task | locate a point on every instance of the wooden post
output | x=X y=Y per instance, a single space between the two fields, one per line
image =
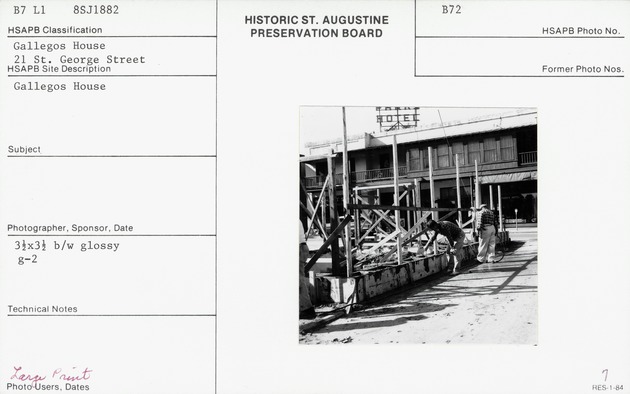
x=378 y=197
x=477 y=197
x=417 y=196
x=408 y=212
x=477 y=190
x=303 y=196
x=357 y=221
x=346 y=195
x=434 y=214
x=396 y=202
x=459 y=196
x=324 y=210
x=334 y=219
x=500 y=210
x=491 y=198
x=312 y=280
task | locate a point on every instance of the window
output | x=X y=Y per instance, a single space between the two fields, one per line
x=414 y=159
x=442 y=156
x=474 y=152
x=489 y=150
x=458 y=149
x=425 y=159
x=507 y=148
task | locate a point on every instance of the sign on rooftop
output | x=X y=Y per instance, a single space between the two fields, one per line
x=394 y=118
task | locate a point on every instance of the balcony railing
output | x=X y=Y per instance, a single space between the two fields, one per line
x=359 y=176
x=524 y=158
x=380 y=173
x=528 y=157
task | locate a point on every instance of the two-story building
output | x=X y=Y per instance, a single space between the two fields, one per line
x=504 y=145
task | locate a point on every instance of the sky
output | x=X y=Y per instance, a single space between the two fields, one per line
x=326 y=123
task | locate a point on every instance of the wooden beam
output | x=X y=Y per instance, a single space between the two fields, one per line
x=379 y=187
x=319 y=202
x=372 y=227
x=346 y=194
x=431 y=184
x=500 y=210
x=357 y=223
x=307 y=159
x=332 y=240
x=324 y=208
x=459 y=196
x=303 y=195
x=383 y=241
x=334 y=218
x=401 y=208
x=417 y=194
x=408 y=212
x=477 y=195
x=378 y=212
x=409 y=236
x=396 y=199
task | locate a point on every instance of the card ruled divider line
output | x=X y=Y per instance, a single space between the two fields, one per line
x=528 y=37
x=111 y=235
x=112 y=76
x=114 y=36
x=518 y=76
x=119 y=156
x=514 y=76
x=112 y=315
x=216 y=188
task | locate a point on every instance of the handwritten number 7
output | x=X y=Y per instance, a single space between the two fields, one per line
x=606 y=374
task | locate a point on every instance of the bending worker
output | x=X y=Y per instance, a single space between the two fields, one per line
x=455 y=237
x=487 y=230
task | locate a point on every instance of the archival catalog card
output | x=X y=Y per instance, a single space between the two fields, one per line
x=459 y=171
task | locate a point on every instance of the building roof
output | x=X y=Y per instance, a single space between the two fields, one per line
x=505 y=120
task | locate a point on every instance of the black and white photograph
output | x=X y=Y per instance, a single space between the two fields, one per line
x=418 y=225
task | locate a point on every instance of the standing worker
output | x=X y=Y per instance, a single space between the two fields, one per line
x=307 y=311
x=455 y=237
x=487 y=231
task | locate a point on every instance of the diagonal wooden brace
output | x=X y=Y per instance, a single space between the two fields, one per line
x=332 y=238
x=319 y=202
x=383 y=241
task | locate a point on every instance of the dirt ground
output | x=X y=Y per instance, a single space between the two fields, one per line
x=486 y=304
